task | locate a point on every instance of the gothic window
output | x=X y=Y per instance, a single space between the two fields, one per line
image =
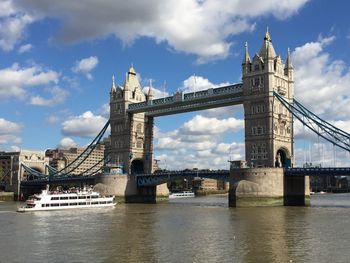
x=139 y=144
x=256 y=67
x=258 y=109
x=288 y=130
x=253 y=109
x=254 y=130
x=262 y=108
x=256 y=81
x=139 y=128
x=259 y=130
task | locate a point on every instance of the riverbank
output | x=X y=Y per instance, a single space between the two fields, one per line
x=6 y=196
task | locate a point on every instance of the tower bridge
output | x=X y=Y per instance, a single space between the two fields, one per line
x=267 y=96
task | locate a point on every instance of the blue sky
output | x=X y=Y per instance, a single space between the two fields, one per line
x=57 y=62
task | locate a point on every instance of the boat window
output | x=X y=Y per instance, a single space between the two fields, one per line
x=55 y=198
x=102 y=202
x=73 y=197
x=64 y=198
x=55 y=204
x=73 y=204
x=81 y=197
x=94 y=203
x=82 y=203
x=94 y=196
x=64 y=204
x=43 y=205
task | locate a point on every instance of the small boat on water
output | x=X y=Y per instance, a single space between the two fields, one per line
x=183 y=194
x=54 y=200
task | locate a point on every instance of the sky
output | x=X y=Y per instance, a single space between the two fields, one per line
x=57 y=61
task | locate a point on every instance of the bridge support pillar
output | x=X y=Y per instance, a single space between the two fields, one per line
x=266 y=187
x=124 y=188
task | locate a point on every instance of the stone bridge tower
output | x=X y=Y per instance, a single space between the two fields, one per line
x=131 y=134
x=268 y=125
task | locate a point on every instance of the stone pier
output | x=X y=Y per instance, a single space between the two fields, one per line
x=267 y=187
x=124 y=188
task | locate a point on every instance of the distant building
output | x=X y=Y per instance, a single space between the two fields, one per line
x=60 y=158
x=10 y=163
x=212 y=184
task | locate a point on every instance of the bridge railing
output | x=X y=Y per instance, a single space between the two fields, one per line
x=163 y=177
x=180 y=97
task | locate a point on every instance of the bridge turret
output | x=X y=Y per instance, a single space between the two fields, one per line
x=246 y=63
x=113 y=87
x=268 y=126
x=289 y=69
x=150 y=94
x=131 y=134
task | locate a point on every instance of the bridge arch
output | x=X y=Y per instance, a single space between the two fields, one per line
x=137 y=166
x=283 y=158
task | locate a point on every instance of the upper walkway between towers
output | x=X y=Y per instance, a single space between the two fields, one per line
x=192 y=101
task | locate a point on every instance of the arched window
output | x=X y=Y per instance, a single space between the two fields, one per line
x=139 y=128
x=139 y=144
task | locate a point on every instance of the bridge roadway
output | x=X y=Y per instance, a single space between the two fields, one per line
x=59 y=180
x=223 y=175
x=324 y=171
x=163 y=177
x=193 y=101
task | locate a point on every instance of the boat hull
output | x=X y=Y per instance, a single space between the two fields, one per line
x=34 y=209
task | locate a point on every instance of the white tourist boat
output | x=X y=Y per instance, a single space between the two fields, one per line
x=54 y=200
x=183 y=194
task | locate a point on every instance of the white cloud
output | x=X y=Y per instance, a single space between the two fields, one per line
x=7 y=8
x=321 y=83
x=12 y=30
x=51 y=120
x=321 y=153
x=24 y=48
x=85 y=66
x=8 y=131
x=67 y=143
x=197 y=27
x=58 y=96
x=7 y=127
x=15 y=79
x=197 y=83
x=86 y=125
x=211 y=126
x=157 y=93
x=15 y=148
x=104 y=110
x=199 y=143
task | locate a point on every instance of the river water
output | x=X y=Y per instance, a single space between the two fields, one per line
x=200 y=229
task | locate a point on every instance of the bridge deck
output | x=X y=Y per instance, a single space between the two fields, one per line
x=324 y=171
x=179 y=102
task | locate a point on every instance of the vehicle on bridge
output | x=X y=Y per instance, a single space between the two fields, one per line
x=52 y=200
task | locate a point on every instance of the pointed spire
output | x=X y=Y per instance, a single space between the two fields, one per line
x=246 y=58
x=267 y=50
x=132 y=70
x=289 y=60
x=267 y=34
x=113 y=88
x=150 y=91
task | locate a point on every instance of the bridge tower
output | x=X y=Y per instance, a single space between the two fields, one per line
x=268 y=125
x=131 y=134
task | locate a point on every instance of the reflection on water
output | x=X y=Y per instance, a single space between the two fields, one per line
x=183 y=230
